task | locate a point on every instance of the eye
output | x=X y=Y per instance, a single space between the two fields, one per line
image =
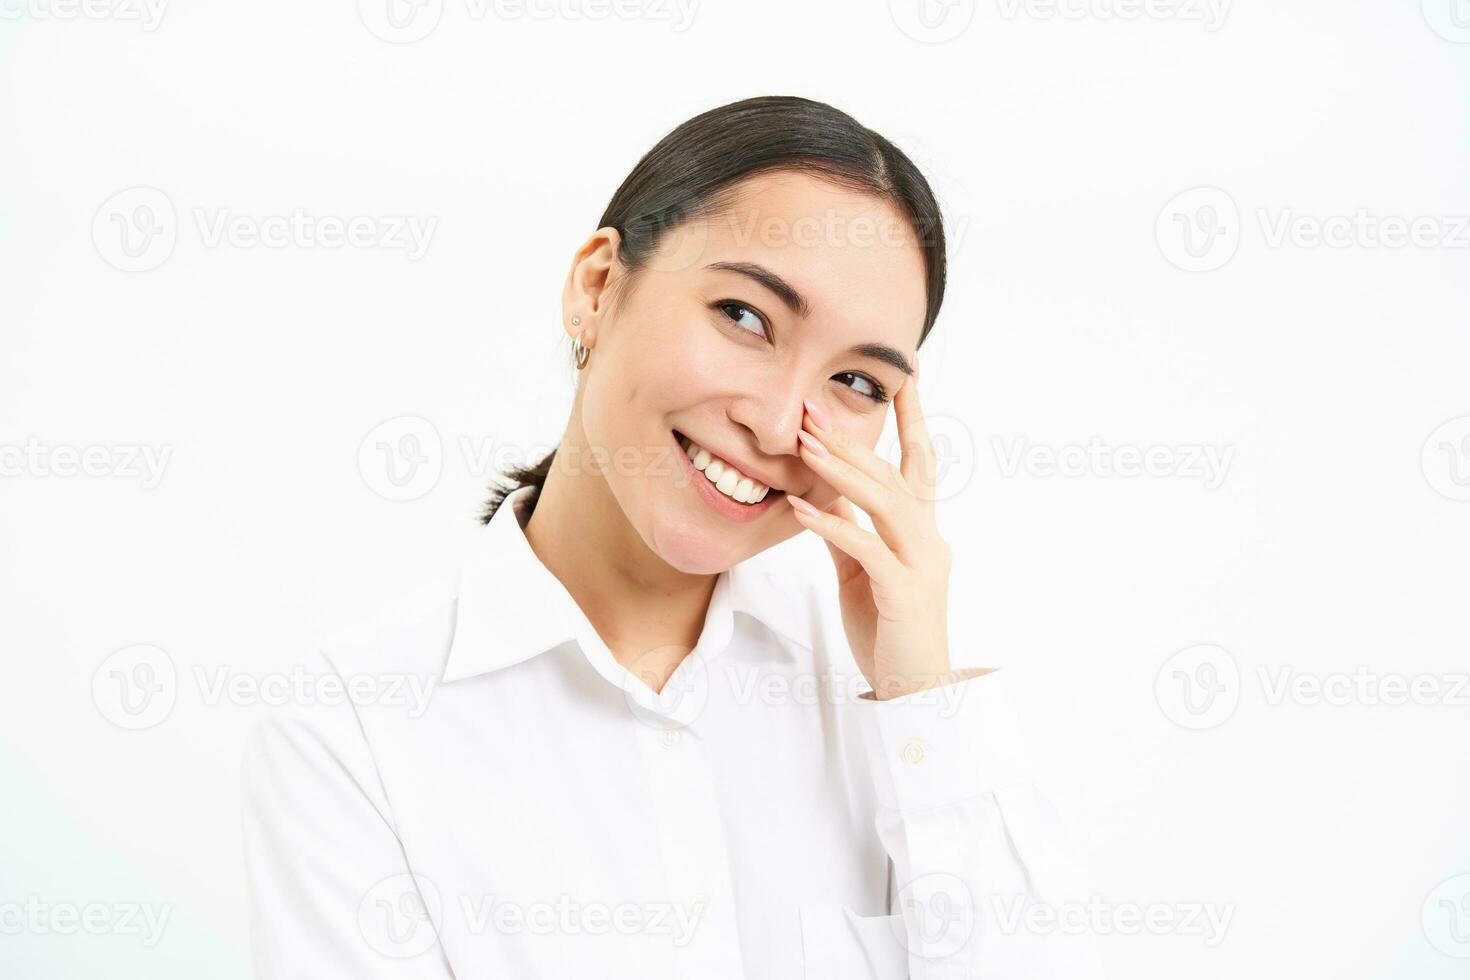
x=751 y=322
x=865 y=386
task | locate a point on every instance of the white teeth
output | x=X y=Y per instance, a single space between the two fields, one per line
x=726 y=478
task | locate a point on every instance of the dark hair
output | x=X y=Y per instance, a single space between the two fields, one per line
x=693 y=172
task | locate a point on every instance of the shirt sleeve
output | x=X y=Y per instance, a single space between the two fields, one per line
x=331 y=892
x=986 y=875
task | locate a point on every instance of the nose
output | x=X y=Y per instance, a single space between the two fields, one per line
x=773 y=417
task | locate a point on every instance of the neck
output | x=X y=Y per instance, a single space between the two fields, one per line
x=648 y=613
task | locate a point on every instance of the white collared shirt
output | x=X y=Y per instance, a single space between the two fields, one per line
x=493 y=796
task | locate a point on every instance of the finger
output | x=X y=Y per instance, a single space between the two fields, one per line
x=918 y=461
x=845 y=446
x=843 y=533
x=847 y=566
x=893 y=511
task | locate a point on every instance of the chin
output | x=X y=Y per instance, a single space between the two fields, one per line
x=691 y=549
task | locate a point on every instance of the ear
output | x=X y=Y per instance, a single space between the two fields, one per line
x=594 y=269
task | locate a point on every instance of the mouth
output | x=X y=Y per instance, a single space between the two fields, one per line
x=722 y=486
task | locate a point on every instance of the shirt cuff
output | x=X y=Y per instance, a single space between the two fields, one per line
x=944 y=744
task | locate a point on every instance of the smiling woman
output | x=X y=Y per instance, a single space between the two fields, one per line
x=658 y=747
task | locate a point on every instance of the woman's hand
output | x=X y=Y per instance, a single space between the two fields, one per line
x=894 y=585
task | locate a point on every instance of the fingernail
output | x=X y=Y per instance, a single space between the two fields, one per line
x=798 y=504
x=816 y=413
x=810 y=441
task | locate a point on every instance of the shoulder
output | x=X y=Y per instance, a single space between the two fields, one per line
x=396 y=653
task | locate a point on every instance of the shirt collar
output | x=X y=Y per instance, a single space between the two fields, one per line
x=510 y=607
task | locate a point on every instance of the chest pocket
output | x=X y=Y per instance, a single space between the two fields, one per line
x=839 y=944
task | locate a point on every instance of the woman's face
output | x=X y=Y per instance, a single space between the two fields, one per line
x=797 y=291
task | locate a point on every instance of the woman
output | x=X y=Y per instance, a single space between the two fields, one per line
x=657 y=745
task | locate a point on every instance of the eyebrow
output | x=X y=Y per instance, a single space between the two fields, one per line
x=796 y=302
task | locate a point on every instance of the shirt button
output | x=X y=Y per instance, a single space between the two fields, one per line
x=669 y=738
x=913 y=751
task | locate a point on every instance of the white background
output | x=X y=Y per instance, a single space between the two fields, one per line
x=1058 y=140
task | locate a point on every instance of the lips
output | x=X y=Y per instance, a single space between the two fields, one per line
x=731 y=493
x=725 y=476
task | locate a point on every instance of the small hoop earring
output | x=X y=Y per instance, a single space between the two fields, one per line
x=580 y=353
